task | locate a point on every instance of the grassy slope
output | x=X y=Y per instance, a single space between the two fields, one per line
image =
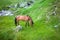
x=43 y=28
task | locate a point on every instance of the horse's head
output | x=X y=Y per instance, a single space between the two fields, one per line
x=31 y=22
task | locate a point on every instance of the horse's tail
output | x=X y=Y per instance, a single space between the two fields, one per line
x=15 y=21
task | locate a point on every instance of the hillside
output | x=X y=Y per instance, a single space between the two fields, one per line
x=45 y=15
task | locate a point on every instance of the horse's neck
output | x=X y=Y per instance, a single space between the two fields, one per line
x=30 y=20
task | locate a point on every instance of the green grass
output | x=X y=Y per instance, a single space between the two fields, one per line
x=43 y=28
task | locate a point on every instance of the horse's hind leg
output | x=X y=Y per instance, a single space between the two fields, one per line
x=18 y=23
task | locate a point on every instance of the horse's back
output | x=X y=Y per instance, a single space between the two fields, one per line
x=22 y=17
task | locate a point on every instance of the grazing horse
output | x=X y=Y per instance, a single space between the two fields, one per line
x=23 y=18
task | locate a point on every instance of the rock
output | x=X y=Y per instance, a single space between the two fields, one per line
x=18 y=28
x=5 y=13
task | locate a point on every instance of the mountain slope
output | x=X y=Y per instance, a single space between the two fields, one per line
x=46 y=18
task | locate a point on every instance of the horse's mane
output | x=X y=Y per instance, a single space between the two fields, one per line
x=31 y=19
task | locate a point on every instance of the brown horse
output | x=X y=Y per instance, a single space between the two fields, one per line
x=23 y=18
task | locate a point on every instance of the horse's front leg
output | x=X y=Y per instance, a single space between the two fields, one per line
x=27 y=23
x=30 y=23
